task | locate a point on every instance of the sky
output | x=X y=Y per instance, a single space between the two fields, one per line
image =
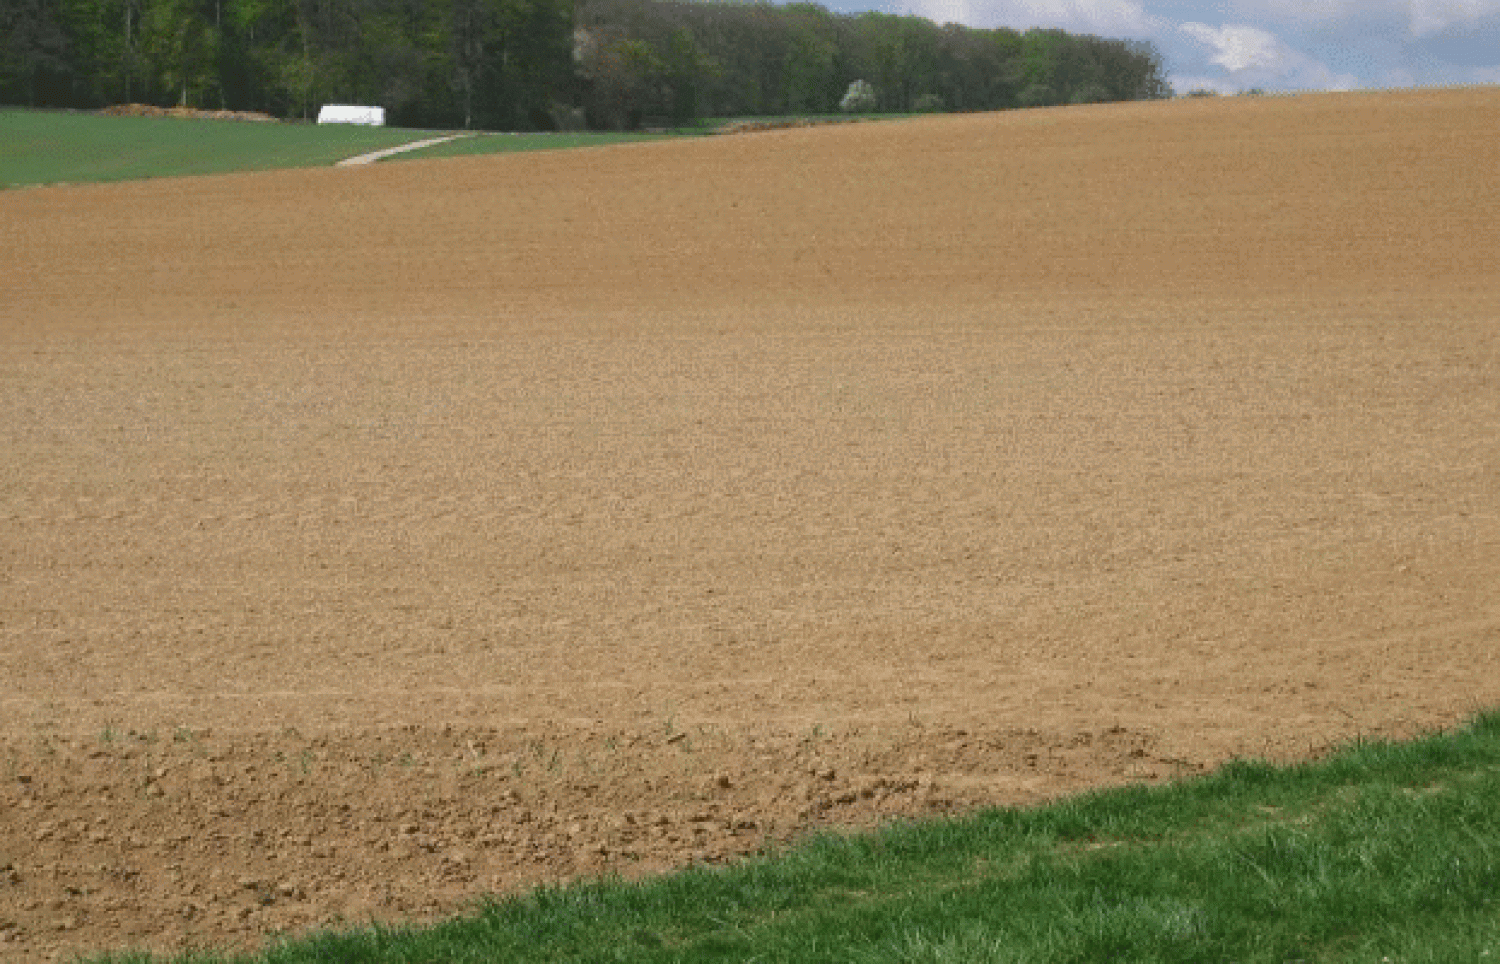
x=1235 y=45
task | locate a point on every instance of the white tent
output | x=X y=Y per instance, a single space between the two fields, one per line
x=347 y=114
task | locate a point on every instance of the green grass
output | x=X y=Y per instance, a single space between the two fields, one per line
x=492 y=143
x=1385 y=851
x=51 y=148
x=510 y=143
x=836 y=117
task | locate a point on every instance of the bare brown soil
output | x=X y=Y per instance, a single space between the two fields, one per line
x=371 y=539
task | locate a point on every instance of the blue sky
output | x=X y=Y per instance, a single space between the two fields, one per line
x=1233 y=45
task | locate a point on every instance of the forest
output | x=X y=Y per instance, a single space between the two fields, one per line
x=545 y=64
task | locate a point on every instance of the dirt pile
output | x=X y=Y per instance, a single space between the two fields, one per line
x=147 y=110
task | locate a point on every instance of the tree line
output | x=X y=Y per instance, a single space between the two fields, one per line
x=543 y=64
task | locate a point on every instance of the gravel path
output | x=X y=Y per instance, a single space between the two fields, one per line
x=374 y=156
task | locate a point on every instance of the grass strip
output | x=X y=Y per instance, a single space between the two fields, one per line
x=505 y=143
x=1382 y=852
x=50 y=147
x=62 y=147
x=516 y=143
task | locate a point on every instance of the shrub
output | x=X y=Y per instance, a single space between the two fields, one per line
x=859 y=97
x=1037 y=95
x=927 y=104
x=1090 y=94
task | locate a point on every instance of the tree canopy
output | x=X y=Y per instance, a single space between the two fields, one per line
x=535 y=64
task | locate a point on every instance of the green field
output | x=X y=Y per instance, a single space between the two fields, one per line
x=59 y=148
x=50 y=147
x=512 y=143
x=1384 y=852
x=55 y=147
x=505 y=143
x=47 y=147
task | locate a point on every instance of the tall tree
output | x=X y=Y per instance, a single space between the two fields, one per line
x=35 y=63
x=514 y=64
x=1041 y=54
x=621 y=79
x=810 y=76
x=476 y=34
x=685 y=68
x=180 y=43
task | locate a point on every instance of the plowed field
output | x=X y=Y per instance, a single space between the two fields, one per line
x=374 y=538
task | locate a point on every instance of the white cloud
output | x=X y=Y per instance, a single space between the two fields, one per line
x=1184 y=84
x=1252 y=57
x=943 y=11
x=1238 y=48
x=1435 y=16
x=1312 y=75
x=1231 y=45
x=1110 y=18
x=1088 y=16
x=1306 y=11
x=1398 y=77
x=1422 y=17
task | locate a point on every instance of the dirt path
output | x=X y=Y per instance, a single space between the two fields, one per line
x=369 y=544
